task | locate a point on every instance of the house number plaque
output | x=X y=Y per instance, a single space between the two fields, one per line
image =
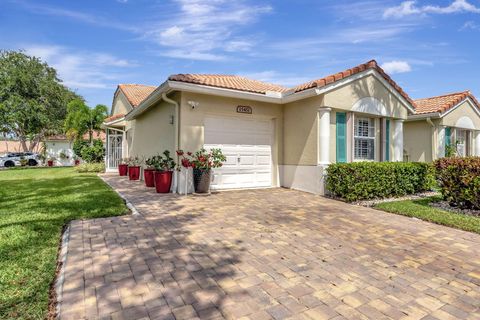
x=244 y=109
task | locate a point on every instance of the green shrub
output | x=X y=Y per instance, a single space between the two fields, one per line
x=94 y=153
x=78 y=145
x=459 y=180
x=90 y=167
x=370 y=180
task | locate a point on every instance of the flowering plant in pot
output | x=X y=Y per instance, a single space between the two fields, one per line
x=202 y=162
x=134 y=168
x=149 y=172
x=164 y=165
x=123 y=167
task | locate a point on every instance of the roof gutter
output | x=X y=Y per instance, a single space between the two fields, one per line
x=176 y=133
x=114 y=121
x=434 y=137
x=424 y=116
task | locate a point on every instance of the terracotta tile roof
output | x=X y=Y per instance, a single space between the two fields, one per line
x=114 y=117
x=228 y=82
x=372 y=64
x=60 y=137
x=442 y=103
x=136 y=93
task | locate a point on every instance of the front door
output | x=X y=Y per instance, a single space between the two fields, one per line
x=114 y=149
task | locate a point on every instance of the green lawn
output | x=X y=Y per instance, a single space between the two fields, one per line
x=420 y=209
x=34 y=206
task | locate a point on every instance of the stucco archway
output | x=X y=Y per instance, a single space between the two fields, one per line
x=370 y=105
x=465 y=123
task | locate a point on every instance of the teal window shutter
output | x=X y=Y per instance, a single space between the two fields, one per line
x=448 y=138
x=341 y=137
x=387 y=140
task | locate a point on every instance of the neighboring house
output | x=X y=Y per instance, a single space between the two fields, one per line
x=271 y=135
x=451 y=119
x=59 y=144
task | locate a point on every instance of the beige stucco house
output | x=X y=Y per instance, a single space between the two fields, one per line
x=271 y=135
x=452 y=119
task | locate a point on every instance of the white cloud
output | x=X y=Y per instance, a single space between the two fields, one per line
x=238 y=45
x=396 y=66
x=470 y=25
x=43 y=9
x=192 y=55
x=408 y=8
x=205 y=30
x=81 y=69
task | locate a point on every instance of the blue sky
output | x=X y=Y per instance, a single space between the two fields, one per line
x=429 y=47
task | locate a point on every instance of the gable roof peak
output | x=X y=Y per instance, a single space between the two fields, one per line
x=136 y=93
x=443 y=103
x=465 y=92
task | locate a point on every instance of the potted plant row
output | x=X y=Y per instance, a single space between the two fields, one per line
x=149 y=172
x=164 y=166
x=202 y=162
x=134 y=168
x=123 y=167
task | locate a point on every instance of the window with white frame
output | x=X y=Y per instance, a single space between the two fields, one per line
x=364 y=139
x=461 y=137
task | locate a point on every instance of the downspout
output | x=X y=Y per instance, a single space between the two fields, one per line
x=177 y=133
x=434 y=138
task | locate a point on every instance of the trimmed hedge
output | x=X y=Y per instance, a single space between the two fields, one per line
x=90 y=167
x=370 y=180
x=459 y=180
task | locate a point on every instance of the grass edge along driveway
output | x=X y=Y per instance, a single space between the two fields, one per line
x=422 y=210
x=35 y=204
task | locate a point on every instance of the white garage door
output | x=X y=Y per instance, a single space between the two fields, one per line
x=247 y=144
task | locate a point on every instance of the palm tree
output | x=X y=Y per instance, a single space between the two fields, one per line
x=82 y=119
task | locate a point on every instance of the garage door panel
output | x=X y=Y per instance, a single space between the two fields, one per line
x=247 y=147
x=246 y=160
x=263 y=160
x=231 y=161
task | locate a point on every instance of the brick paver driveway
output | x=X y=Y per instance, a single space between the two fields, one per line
x=265 y=254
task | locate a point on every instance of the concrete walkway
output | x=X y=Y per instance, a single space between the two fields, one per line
x=266 y=254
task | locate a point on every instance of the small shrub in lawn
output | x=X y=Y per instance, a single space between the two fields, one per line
x=90 y=167
x=94 y=153
x=459 y=180
x=370 y=180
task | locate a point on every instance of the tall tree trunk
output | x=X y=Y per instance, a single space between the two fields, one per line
x=90 y=133
x=23 y=143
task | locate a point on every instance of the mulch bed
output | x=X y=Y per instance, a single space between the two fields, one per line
x=444 y=205
x=374 y=202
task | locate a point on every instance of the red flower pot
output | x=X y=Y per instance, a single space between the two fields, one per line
x=77 y=162
x=163 y=181
x=50 y=163
x=149 y=176
x=134 y=173
x=123 y=169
